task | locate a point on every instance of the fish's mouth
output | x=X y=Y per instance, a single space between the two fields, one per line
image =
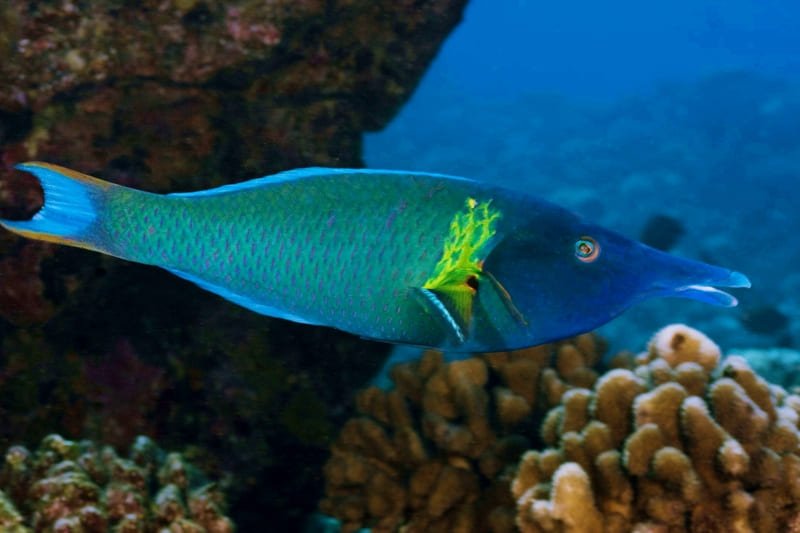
x=686 y=278
x=711 y=294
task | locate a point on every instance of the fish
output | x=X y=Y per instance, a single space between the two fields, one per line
x=410 y=258
x=764 y=319
x=662 y=232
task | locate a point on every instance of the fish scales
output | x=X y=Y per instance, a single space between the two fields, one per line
x=405 y=257
x=368 y=214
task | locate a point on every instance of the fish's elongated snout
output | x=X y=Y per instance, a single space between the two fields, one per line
x=685 y=278
x=710 y=294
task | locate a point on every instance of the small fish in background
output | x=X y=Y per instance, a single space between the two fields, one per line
x=662 y=232
x=404 y=257
x=764 y=319
x=767 y=319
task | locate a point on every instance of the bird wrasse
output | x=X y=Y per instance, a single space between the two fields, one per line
x=402 y=257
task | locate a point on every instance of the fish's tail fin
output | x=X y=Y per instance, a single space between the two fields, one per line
x=72 y=204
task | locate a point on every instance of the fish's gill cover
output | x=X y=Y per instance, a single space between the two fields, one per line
x=456 y=274
x=463 y=251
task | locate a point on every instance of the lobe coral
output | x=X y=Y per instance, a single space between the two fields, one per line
x=434 y=453
x=681 y=441
x=674 y=439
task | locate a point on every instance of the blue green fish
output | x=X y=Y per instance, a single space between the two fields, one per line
x=403 y=257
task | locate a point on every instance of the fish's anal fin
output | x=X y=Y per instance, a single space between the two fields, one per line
x=505 y=297
x=239 y=299
x=437 y=306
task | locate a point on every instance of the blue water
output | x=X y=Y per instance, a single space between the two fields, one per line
x=624 y=110
x=602 y=51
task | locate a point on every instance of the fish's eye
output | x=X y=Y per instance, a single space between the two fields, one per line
x=587 y=249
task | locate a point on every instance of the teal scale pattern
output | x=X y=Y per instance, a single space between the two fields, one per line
x=340 y=250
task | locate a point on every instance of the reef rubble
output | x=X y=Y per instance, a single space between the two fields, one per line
x=70 y=487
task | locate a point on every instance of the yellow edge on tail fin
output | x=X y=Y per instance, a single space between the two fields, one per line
x=48 y=237
x=74 y=174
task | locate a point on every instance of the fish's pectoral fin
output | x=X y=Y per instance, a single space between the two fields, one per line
x=449 y=312
x=497 y=319
x=498 y=291
x=454 y=307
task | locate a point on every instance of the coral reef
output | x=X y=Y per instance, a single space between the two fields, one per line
x=39 y=389
x=67 y=486
x=433 y=453
x=111 y=398
x=681 y=441
x=259 y=407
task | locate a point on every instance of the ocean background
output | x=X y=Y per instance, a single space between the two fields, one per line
x=626 y=110
x=682 y=117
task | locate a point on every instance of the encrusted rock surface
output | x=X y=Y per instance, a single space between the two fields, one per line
x=189 y=93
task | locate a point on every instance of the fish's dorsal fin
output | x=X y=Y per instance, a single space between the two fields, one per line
x=306 y=173
x=239 y=299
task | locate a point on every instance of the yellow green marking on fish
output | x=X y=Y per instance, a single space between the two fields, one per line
x=470 y=231
x=458 y=271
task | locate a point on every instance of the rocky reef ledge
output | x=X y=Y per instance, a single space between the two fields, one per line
x=176 y=94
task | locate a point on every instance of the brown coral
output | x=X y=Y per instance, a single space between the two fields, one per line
x=433 y=454
x=679 y=443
